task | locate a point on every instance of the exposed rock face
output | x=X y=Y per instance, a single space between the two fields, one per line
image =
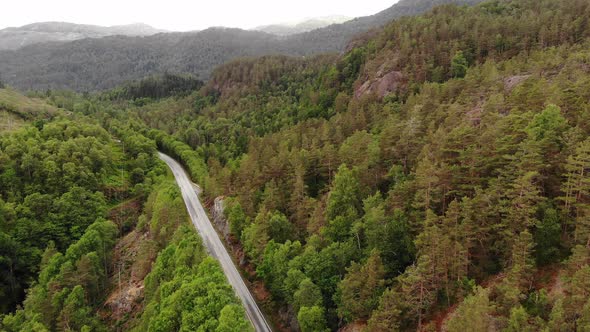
x=512 y=81
x=383 y=85
x=219 y=219
x=128 y=275
x=126 y=300
x=474 y=115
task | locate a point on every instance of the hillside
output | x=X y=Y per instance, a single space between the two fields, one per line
x=434 y=176
x=335 y=37
x=287 y=29
x=16 y=109
x=429 y=170
x=15 y=38
x=98 y=64
x=87 y=226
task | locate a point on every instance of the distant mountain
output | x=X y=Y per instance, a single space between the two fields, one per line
x=335 y=37
x=15 y=38
x=102 y=63
x=287 y=29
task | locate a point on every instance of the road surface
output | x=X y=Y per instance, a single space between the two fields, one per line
x=214 y=245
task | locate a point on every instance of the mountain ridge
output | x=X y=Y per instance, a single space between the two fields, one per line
x=103 y=63
x=309 y=24
x=13 y=38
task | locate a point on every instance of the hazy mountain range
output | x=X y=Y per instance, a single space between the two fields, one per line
x=102 y=63
x=287 y=29
x=14 y=38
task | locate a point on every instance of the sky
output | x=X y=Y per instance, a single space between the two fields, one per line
x=182 y=15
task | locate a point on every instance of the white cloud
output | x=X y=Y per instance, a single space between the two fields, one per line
x=182 y=15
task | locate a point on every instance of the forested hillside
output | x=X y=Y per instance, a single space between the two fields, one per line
x=103 y=63
x=15 y=109
x=434 y=174
x=433 y=177
x=79 y=211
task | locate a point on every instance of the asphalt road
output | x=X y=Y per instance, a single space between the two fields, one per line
x=214 y=245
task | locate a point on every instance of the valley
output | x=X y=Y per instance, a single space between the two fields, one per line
x=430 y=172
x=103 y=63
x=214 y=245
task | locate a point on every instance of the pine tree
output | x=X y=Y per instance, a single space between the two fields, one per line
x=307 y=295
x=518 y=321
x=522 y=263
x=459 y=65
x=389 y=234
x=361 y=287
x=548 y=238
x=545 y=136
x=557 y=320
x=457 y=255
x=428 y=193
x=577 y=191
x=75 y=313
x=478 y=223
x=579 y=286
x=519 y=275
x=433 y=246
x=387 y=317
x=521 y=206
x=255 y=238
x=583 y=322
x=374 y=221
x=299 y=203
x=418 y=288
x=344 y=204
x=473 y=314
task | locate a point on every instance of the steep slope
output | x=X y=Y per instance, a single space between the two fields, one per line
x=430 y=167
x=64 y=266
x=96 y=64
x=15 y=38
x=16 y=107
x=335 y=37
x=388 y=206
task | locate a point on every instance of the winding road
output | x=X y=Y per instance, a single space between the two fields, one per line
x=214 y=245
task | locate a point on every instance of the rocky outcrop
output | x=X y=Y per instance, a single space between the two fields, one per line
x=125 y=300
x=382 y=85
x=513 y=81
x=132 y=257
x=219 y=220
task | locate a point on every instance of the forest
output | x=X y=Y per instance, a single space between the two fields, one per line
x=347 y=199
x=98 y=64
x=434 y=177
x=71 y=192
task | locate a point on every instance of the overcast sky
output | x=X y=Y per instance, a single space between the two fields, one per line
x=182 y=15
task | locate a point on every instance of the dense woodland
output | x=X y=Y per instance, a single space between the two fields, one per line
x=61 y=177
x=433 y=177
x=465 y=186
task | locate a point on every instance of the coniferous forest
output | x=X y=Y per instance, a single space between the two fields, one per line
x=433 y=177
